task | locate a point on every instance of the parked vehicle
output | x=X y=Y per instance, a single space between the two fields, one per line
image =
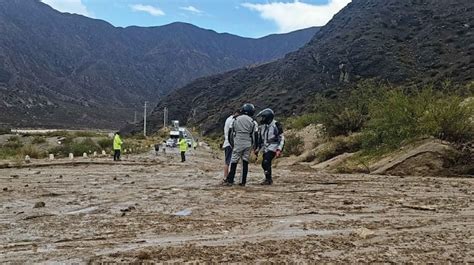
x=171 y=142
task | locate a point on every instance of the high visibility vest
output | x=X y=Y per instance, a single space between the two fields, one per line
x=183 y=145
x=117 y=142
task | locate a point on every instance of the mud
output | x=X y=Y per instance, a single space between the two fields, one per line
x=96 y=211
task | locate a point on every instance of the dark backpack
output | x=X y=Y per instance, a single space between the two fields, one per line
x=279 y=127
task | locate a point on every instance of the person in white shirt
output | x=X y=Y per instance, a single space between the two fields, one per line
x=226 y=145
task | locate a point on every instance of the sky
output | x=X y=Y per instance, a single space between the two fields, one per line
x=247 y=18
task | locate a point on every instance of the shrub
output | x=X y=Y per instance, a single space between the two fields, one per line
x=400 y=117
x=14 y=138
x=77 y=148
x=348 y=112
x=7 y=152
x=4 y=131
x=448 y=119
x=338 y=146
x=13 y=142
x=105 y=143
x=38 y=140
x=31 y=151
x=293 y=145
x=303 y=121
x=85 y=146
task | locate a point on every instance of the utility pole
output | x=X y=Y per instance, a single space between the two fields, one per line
x=165 y=117
x=144 y=121
x=135 y=118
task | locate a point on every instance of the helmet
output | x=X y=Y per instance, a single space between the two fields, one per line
x=248 y=109
x=266 y=115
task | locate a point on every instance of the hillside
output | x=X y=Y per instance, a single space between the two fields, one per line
x=403 y=42
x=63 y=70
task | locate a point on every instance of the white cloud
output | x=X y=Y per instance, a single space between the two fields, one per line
x=69 y=6
x=191 y=9
x=290 y=16
x=154 y=11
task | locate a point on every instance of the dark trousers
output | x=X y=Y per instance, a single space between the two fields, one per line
x=183 y=156
x=116 y=155
x=267 y=164
x=233 y=169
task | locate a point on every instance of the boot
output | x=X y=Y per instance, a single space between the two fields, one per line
x=267 y=182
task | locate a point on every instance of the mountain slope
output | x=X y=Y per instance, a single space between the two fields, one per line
x=62 y=69
x=403 y=42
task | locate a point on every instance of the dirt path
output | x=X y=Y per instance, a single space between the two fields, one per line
x=97 y=211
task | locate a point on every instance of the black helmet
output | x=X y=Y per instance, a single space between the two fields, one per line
x=266 y=115
x=248 y=109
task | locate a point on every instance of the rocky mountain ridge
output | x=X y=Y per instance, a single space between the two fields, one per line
x=66 y=70
x=412 y=42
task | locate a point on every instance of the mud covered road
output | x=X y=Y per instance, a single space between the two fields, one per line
x=98 y=211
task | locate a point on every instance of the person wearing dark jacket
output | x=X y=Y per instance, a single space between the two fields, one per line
x=270 y=142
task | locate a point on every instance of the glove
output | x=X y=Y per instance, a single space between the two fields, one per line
x=278 y=153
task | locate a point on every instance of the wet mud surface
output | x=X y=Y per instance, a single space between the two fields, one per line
x=157 y=209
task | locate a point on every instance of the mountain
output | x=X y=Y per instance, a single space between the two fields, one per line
x=403 y=42
x=63 y=70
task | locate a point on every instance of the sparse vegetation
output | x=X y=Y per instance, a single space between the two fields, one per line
x=302 y=121
x=105 y=143
x=31 y=151
x=388 y=117
x=293 y=145
x=77 y=148
x=338 y=145
x=401 y=117
x=38 y=140
x=4 y=130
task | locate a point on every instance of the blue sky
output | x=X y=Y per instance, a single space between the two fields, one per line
x=249 y=18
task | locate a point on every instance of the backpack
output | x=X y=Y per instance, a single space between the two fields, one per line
x=279 y=127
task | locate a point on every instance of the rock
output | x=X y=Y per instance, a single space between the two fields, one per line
x=363 y=232
x=347 y=202
x=184 y=212
x=5 y=189
x=128 y=209
x=14 y=176
x=39 y=205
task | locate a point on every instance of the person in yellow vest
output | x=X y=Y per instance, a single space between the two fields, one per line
x=117 y=146
x=183 y=147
